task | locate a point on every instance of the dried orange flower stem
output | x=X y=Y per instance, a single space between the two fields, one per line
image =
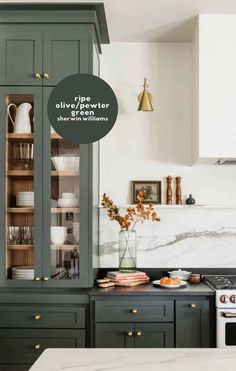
x=134 y=214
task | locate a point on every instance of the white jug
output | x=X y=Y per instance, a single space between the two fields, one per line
x=22 y=118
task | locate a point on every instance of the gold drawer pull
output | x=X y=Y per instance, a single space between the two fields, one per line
x=134 y=311
x=130 y=333
x=37 y=76
x=37 y=346
x=139 y=333
x=37 y=278
x=45 y=278
x=46 y=76
x=193 y=306
x=37 y=317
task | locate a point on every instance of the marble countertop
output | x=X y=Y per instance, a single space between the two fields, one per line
x=190 y=289
x=212 y=359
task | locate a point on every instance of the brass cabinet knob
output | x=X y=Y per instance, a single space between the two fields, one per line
x=37 y=346
x=37 y=317
x=139 y=333
x=37 y=278
x=46 y=76
x=192 y=305
x=37 y=76
x=134 y=311
x=130 y=333
x=45 y=278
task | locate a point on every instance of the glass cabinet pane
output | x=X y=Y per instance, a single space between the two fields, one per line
x=19 y=198
x=65 y=227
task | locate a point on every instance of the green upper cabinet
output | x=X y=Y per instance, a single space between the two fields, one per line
x=20 y=56
x=45 y=55
x=65 y=52
x=49 y=218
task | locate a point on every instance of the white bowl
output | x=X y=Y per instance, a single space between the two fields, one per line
x=182 y=275
x=66 y=163
x=68 y=202
x=58 y=235
x=68 y=195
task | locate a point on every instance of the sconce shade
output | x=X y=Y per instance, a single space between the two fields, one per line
x=145 y=99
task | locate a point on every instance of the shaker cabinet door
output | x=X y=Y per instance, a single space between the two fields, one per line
x=154 y=335
x=20 y=55
x=114 y=335
x=192 y=324
x=65 y=52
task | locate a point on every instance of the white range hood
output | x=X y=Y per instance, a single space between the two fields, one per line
x=214 y=93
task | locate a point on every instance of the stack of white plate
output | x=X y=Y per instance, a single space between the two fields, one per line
x=68 y=200
x=25 y=199
x=23 y=273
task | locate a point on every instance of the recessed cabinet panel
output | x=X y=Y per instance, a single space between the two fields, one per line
x=20 y=58
x=154 y=335
x=64 y=53
x=114 y=335
x=192 y=324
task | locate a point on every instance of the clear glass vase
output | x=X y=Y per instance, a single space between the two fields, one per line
x=127 y=251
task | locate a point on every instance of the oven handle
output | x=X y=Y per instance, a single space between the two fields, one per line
x=229 y=315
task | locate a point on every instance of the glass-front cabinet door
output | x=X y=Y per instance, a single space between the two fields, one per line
x=64 y=175
x=21 y=195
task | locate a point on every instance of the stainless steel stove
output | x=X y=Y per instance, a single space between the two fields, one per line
x=225 y=287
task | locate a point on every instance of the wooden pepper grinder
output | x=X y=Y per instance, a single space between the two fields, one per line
x=178 y=191
x=169 y=190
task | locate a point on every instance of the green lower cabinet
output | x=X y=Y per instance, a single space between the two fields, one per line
x=154 y=335
x=192 y=324
x=23 y=346
x=114 y=335
x=139 y=335
x=15 y=367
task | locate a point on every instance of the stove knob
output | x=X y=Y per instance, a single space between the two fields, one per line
x=224 y=299
x=233 y=299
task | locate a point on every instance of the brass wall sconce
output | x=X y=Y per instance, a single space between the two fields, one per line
x=145 y=99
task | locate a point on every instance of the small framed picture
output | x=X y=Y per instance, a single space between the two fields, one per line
x=151 y=189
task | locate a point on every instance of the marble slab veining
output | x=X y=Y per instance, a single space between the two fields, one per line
x=136 y=360
x=189 y=237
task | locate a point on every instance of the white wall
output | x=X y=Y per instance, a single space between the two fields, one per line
x=152 y=145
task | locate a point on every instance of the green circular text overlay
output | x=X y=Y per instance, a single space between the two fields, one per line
x=82 y=108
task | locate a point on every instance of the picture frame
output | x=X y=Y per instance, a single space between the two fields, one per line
x=151 y=188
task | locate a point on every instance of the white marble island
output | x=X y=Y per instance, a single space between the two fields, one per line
x=136 y=360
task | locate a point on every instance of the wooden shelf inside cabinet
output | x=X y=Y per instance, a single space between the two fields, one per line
x=64 y=247
x=19 y=247
x=20 y=210
x=61 y=210
x=56 y=136
x=15 y=136
x=64 y=173
x=21 y=173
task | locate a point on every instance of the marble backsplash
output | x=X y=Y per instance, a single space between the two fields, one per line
x=186 y=237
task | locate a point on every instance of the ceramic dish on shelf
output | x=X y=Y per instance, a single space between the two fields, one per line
x=66 y=163
x=68 y=195
x=68 y=202
x=157 y=283
x=23 y=273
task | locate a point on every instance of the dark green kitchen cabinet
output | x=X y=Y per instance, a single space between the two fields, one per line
x=138 y=335
x=39 y=46
x=192 y=323
x=20 y=55
x=25 y=345
x=44 y=55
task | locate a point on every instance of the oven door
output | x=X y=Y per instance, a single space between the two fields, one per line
x=226 y=327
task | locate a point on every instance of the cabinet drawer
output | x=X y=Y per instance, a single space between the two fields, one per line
x=42 y=317
x=134 y=311
x=25 y=345
x=14 y=367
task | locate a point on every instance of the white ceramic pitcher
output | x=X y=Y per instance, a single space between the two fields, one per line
x=22 y=118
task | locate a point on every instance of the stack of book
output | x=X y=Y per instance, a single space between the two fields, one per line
x=128 y=279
